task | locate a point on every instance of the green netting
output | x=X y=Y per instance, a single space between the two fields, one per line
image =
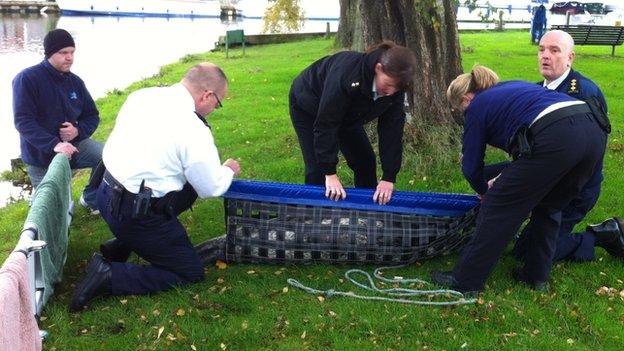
x=48 y=216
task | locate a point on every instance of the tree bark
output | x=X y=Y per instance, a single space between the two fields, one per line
x=429 y=28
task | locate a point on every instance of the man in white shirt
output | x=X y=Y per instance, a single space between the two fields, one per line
x=159 y=157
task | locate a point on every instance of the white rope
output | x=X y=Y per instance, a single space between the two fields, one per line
x=458 y=297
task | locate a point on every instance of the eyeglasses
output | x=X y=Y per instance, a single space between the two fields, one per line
x=219 y=104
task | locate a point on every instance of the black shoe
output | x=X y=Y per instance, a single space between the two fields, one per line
x=446 y=279
x=96 y=283
x=609 y=236
x=212 y=250
x=115 y=251
x=520 y=275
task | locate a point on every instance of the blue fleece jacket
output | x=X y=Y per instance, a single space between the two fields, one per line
x=44 y=98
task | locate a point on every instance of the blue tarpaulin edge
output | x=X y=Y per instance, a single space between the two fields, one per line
x=406 y=202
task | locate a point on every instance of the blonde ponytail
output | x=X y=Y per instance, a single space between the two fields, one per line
x=480 y=78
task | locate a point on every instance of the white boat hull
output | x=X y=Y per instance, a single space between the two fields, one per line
x=159 y=8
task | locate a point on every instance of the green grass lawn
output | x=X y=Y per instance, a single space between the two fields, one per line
x=247 y=307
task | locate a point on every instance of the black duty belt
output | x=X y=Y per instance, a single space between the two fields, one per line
x=521 y=144
x=117 y=186
x=122 y=194
x=172 y=204
x=559 y=114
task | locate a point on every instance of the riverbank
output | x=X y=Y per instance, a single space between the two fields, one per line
x=12 y=6
x=252 y=307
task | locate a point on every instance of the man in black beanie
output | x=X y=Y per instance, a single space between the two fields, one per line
x=54 y=113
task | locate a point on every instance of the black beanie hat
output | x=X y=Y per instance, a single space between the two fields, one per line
x=55 y=40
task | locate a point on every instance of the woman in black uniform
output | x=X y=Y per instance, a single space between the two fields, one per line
x=556 y=144
x=331 y=100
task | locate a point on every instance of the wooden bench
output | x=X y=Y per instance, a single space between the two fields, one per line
x=594 y=35
x=234 y=37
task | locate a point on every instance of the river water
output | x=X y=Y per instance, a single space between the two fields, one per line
x=111 y=53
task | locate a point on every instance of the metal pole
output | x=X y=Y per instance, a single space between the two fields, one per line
x=568 y=14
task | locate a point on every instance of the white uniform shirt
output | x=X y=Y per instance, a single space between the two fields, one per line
x=557 y=82
x=158 y=138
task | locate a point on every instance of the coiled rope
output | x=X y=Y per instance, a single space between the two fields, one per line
x=399 y=294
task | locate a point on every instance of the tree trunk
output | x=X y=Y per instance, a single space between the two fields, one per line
x=429 y=28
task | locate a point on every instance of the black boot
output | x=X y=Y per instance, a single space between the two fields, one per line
x=446 y=279
x=96 y=283
x=609 y=236
x=520 y=275
x=115 y=251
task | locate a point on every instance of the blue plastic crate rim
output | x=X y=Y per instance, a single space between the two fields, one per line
x=405 y=202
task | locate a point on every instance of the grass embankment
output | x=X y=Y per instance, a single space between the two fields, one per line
x=248 y=307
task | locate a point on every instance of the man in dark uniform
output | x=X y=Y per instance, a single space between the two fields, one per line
x=555 y=58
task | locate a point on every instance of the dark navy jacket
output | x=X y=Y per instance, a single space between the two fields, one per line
x=493 y=118
x=580 y=87
x=44 y=98
x=583 y=88
x=337 y=90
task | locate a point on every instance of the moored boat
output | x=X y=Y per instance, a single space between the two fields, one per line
x=156 y=8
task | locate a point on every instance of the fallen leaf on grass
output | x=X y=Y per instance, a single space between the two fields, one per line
x=180 y=312
x=603 y=290
x=220 y=264
x=320 y=298
x=160 y=331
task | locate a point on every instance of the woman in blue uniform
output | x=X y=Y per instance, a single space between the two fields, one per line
x=332 y=99
x=555 y=143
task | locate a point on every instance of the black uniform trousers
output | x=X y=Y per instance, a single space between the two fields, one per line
x=160 y=239
x=565 y=155
x=353 y=143
x=578 y=247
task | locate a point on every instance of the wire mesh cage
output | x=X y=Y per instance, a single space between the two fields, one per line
x=272 y=222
